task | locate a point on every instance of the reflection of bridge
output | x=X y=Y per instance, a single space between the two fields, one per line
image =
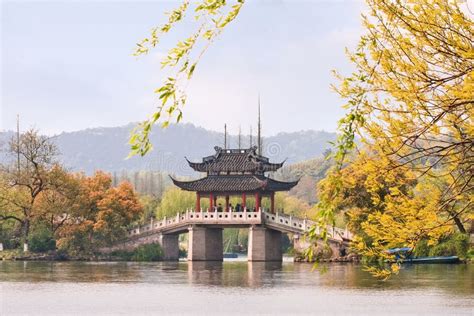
x=205 y=240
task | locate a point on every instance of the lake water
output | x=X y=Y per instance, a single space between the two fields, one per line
x=232 y=287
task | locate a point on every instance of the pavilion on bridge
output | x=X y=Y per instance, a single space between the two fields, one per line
x=235 y=172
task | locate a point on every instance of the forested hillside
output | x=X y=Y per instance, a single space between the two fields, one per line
x=107 y=148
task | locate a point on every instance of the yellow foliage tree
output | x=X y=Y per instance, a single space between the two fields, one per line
x=412 y=95
x=411 y=100
x=386 y=207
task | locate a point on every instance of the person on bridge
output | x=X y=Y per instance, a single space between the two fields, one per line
x=219 y=207
x=238 y=207
x=230 y=207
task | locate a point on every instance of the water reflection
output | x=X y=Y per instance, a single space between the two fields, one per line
x=208 y=288
x=454 y=279
x=235 y=274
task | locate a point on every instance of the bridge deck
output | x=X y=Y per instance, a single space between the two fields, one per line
x=281 y=222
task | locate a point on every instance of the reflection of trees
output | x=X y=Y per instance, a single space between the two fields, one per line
x=69 y=272
x=455 y=279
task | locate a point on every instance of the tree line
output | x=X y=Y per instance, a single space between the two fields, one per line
x=43 y=206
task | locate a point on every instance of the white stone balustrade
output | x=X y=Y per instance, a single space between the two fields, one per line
x=278 y=221
x=200 y=218
x=298 y=225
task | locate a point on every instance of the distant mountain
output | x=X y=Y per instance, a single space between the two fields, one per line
x=107 y=148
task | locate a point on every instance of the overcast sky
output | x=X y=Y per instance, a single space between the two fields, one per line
x=67 y=65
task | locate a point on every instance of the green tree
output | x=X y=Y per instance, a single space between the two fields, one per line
x=176 y=200
x=150 y=205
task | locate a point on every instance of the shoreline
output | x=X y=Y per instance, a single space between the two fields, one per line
x=9 y=255
x=58 y=257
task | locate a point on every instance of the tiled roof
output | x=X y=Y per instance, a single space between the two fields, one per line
x=234 y=183
x=235 y=160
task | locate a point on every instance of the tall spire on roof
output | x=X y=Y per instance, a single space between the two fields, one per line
x=225 y=136
x=240 y=137
x=259 y=132
x=250 y=135
x=18 y=142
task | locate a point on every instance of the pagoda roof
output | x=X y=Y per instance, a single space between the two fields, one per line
x=235 y=160
x=234 y=183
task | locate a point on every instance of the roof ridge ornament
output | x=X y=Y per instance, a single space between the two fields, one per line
x=218 y=151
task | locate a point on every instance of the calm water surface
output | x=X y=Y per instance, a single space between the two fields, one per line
x=232 y=287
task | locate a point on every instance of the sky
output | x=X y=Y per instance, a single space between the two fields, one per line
x=68 y=65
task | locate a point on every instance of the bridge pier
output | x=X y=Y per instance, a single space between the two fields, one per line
x=205 y=244
x=264 y=244
x=170 y=245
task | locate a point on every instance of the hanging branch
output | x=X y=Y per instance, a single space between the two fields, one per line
x=211 y=16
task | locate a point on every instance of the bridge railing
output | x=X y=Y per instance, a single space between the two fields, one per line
x=245 y=217
x=192 y=217
x=304 y=225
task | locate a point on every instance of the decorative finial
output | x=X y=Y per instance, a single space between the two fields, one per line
x=18 y=142
x=250 y=142
x=240 y=136
x=259 y=131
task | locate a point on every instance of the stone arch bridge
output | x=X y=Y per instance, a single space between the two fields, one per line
x=205 y=241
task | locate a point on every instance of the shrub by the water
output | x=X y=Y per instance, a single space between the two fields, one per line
x=122 y=255
x=470 y=254
x=150 y=252
x=443 y=249
x=42 y=240
x=8 y=236
x=462 y=244
x=422 y=249
x=456 y=245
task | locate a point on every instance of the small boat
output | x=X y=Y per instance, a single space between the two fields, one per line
x=440 y=259
x=230 y=255
x=404 y=255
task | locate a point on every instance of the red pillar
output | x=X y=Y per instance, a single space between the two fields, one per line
x=227 y=203
x=198 y=202
x=272 y=202
x=257 y=201
x=244 y=200
x=211 y=202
